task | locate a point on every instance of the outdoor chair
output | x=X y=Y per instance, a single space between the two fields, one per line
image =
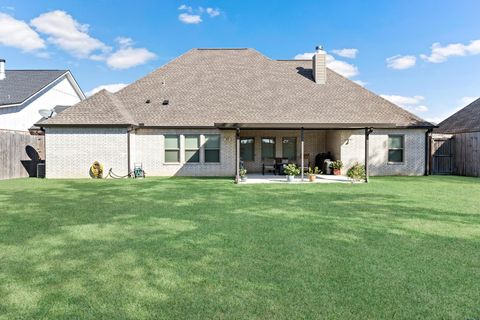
x=269 y=165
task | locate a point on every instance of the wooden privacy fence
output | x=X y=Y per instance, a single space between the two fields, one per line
x=467 y=154
x=20 y=153
x=458 y=154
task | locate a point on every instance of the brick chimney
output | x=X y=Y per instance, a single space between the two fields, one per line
x=319 y=67
x=2 y=69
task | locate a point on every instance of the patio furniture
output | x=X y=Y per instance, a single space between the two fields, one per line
x=269 y=165
x=280 y=164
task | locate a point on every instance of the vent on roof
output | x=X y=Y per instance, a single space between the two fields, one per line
x=147 y=101
x=165 y=102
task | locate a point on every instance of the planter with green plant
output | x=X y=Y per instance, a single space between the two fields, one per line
x=312 y=174
x=356 y=173
x=243 y=174
x=291 y=170
x=337 y=167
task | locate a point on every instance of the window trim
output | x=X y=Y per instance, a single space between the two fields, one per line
x=185 y=149
x=403 y=149
x=219 y=148
x=253 y=150
x=165 y=149
x=295 y=151
x=274 y=147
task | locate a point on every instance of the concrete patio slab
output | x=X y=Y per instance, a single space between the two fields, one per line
x=321 y=178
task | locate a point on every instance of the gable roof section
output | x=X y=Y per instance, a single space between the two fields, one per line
x=102 y=108
x=211 y=86
x=465 y=120
x=19 y=85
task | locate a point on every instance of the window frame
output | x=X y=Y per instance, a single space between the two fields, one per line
x=402 y=136
x=205 y=148
x=253 y=148
x=165 y=149
x=274 y=147
x=185 y=149
x=295 y=150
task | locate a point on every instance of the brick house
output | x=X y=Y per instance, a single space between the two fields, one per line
x=210 y=109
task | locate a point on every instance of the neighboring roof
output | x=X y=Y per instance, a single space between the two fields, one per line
x=19 y=85
x=465 y=120
x=205 y=87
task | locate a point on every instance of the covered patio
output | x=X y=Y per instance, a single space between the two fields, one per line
x=256 y=178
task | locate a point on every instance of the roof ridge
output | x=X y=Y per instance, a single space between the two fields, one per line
x=120 y=107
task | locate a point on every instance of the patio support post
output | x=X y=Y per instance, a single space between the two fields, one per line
x=367 y=141
x=237 y=156
x=302 y=137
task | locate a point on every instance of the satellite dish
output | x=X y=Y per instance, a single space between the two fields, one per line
x=46 y=113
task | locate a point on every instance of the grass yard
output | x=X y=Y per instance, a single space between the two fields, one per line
x=179 y=248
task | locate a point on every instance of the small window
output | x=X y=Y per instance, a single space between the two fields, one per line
x=247 y=149
x=289 y=148
x=212 y=148
x=396 y=148
x=172 y=148
x=192 y=148
x=268 y=148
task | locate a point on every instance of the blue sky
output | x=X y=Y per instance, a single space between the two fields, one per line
x=423 y=55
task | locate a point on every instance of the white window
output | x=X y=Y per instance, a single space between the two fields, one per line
x=396 y=145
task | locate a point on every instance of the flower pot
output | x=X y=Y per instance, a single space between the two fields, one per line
x=337 y=172
x=243 y=178
x=312 y=177
x=290 y=178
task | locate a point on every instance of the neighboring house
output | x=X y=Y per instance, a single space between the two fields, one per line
x=24 y=92
x=456 y=143
x=191 y=116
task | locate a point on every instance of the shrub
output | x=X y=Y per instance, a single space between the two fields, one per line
x=291 y=170
x=356 y=172
x=338 y=164
x=243 y=172
x=314 y=171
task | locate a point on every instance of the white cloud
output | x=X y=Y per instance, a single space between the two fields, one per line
x=465 y=101
x=189 y=18
x=399 y=62
x=68 y=34
x=128 y=57
x=18 y=34
x=360 y=83
x=412 y=104
x=440 y=54
x=213 y=12
x=346 y=53
x=345 y=69
x=194 y=16
x=124 y=41
x=114 y=87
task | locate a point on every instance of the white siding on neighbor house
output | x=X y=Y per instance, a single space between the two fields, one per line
x=71 y=151
x=24 y=116
x=149 y=150
x=353 y=151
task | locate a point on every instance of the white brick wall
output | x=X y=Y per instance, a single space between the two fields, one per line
x=353 y=150
x=149 y=150
x=71 y=151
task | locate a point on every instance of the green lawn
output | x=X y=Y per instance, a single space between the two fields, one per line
x=179 y=248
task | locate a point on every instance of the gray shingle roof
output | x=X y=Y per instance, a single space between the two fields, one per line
x=465 y=120
x=19 y=85
x=208 y=86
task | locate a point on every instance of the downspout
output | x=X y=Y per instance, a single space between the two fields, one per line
x=237 y=156
x=128 y=150
x=302 y=146
x=427 y=151
x=367 y=143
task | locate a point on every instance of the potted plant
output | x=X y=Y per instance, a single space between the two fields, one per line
x=243 y=174
x=337 y=167
x=291 y=170
x=312 y=174
x=356 y=173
